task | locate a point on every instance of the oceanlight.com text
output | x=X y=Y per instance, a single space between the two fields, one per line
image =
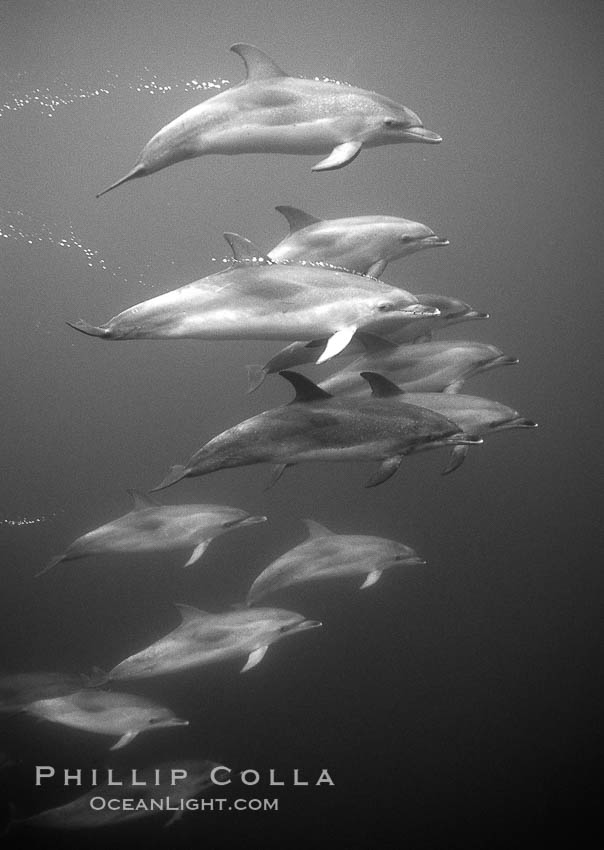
x=191 y=804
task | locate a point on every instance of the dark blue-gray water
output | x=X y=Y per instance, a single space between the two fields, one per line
x=456 y=703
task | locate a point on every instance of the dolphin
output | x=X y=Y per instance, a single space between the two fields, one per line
x=326 y=555
x=363 y=244
x=257 y=299
x=203 y=638
x=475 y=416
x=19 y=689
x=106 y=713
x=271 y=112
x=447 y=311
x=435 y=367
x=153 y=527
x=315 y=426
x=80 y=813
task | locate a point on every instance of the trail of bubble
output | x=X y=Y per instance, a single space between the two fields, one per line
x=47 y=100
x=20 y=226
x=21 y=521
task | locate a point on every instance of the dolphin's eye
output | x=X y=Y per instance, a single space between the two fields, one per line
x=385 y=306
x=392 y=122
x=153 y=720
x=407 y=239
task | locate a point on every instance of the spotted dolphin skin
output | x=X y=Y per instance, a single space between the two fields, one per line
x=435 y=367
x=473 y=415
x=315 y=426
x=271 y=112
x=326 y=555
x=194 y=776
x=360 y=243
x=203 y=638
x=106 y=713
x=258 y=299
x=152 y=527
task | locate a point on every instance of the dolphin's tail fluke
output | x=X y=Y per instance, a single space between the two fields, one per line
x=52 y=563
x=137 y=171
x=96 y=678
x=255 y=376
x=86 y=328
x=176 y=473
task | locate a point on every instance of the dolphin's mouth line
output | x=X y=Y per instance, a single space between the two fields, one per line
x=418 y=133
x=433 y=241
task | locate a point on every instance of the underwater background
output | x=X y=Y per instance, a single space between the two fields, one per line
x=457 y=703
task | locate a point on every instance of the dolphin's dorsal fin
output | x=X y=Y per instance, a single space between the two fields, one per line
x=374 y=343
x=258 y=65
x=297 y=219
x=315 y=529
x=305 y=389
x=381 y=387
x=244 y=249
x=142 y=500
x=188 y=613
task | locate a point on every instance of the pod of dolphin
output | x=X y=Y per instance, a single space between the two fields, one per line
x=318 y=289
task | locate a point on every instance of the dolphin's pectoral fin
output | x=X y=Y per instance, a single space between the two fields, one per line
x=244 y=249
x=385 y=471
x=297 y=219
x=454 y=387
x=255 y=376
x=255 y=658
x=258 y=65
x=337 y=343
x=315 y=529
x=372 y=577
x=125 y=739
x=456 y=458
x=377 y=268
x=276 y=473
x=198 y=552
x=340 y=156
x=374 y=343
